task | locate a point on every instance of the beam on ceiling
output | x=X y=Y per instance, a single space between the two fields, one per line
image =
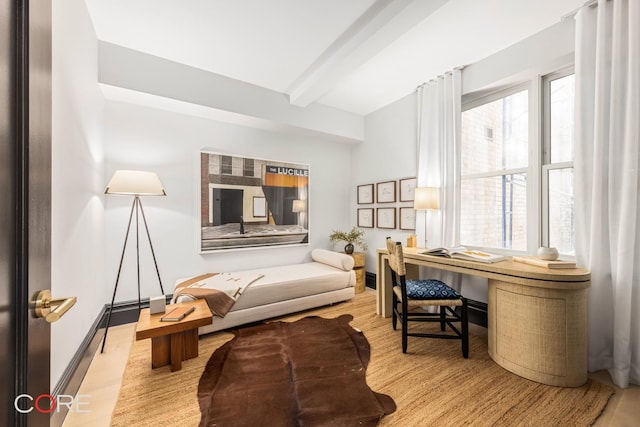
x=133 y=70
x=384 y=22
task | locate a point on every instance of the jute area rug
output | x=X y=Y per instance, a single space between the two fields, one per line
x=431 y=385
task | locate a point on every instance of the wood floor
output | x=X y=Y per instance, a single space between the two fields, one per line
x=104 y=378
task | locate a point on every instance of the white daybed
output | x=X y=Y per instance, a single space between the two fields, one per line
x=287 y=289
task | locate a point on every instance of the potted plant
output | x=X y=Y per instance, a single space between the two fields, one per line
x=355 y=237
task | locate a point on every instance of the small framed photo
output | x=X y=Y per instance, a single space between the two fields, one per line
x=386 y=192
x=407 y=189
x=365 y=194
x=365 y=217
x=407 y=219
x=386 y=218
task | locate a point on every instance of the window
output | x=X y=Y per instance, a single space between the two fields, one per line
x=557 y=169
x=248 y=168
x=494 y=173
x=516 y=167
x=226 y=165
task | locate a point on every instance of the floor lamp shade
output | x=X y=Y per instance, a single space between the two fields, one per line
x=135 y=183
x=426 y=198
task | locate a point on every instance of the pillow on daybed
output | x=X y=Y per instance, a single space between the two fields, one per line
x=334 y=259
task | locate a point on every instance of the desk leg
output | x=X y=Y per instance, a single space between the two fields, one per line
x=384 y=290
x=379 y=283
x=383 y=287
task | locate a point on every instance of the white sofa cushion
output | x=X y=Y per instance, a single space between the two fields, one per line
x=334 y=259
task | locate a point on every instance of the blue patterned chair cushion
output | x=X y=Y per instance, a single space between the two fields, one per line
x=430 y=289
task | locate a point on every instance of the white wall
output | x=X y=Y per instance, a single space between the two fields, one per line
x=388 y=154
x=77 y=237
x=138 y=137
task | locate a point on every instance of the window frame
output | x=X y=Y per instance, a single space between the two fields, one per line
x=471 y=101
x=539 y=155
x=546 y=164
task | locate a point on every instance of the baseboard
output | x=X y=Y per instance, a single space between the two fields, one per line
x=126 y=312
x=370 y=280
x=477 y=311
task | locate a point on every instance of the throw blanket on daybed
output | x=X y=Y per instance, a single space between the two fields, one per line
x=220 y=290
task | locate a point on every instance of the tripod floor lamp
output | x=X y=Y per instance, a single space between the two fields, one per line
x=136 y=184
x=426 y=199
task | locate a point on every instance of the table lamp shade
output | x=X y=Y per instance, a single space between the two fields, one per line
x=135 y=183
x=426 y=198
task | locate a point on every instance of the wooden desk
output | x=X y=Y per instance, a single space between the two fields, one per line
x=537 y=317
x=173 y=342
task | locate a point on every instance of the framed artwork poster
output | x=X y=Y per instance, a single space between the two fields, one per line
x=407 y=219
x=249 y=203
x=365 y=194
x=386 y=192
x=407 y=189
x=386 y=218
x=365 y=217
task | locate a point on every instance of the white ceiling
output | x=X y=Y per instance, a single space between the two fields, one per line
x=353 y=55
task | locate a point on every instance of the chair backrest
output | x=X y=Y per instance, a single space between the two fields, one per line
x=396 y=257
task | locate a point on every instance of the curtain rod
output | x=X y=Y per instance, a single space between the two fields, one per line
x=461 y=67
x=590 y=3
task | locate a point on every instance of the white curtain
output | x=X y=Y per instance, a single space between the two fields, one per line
x=439 y=112
x=607 y=158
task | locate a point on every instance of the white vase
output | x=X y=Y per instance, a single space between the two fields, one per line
x=548 y=254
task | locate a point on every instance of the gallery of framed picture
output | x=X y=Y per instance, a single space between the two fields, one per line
x=247 y=202
x=383 y=195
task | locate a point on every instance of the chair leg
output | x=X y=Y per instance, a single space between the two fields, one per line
x=465 y=329
x=404 y=338
x=443 y=316
x=405 y=327
x=394 y=311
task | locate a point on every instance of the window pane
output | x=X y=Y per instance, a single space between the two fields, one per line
x=561 y=210
x=495 y=135
x=494 y=212
x=248 y=168
x=562 y=110
x=226 y=165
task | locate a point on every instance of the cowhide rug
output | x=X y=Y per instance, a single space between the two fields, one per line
x=305 y=373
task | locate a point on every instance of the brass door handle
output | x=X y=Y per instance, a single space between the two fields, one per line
x=44 y=302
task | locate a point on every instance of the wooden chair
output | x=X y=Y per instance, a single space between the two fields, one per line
x=409 y=296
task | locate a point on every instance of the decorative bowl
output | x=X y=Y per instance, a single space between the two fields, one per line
x=548 y=254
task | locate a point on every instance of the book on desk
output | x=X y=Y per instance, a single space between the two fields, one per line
x=533 y=260
x=177 y=314
x=461 y=252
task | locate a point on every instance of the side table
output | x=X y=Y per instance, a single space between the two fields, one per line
x=359 y=259
x=173 y=342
